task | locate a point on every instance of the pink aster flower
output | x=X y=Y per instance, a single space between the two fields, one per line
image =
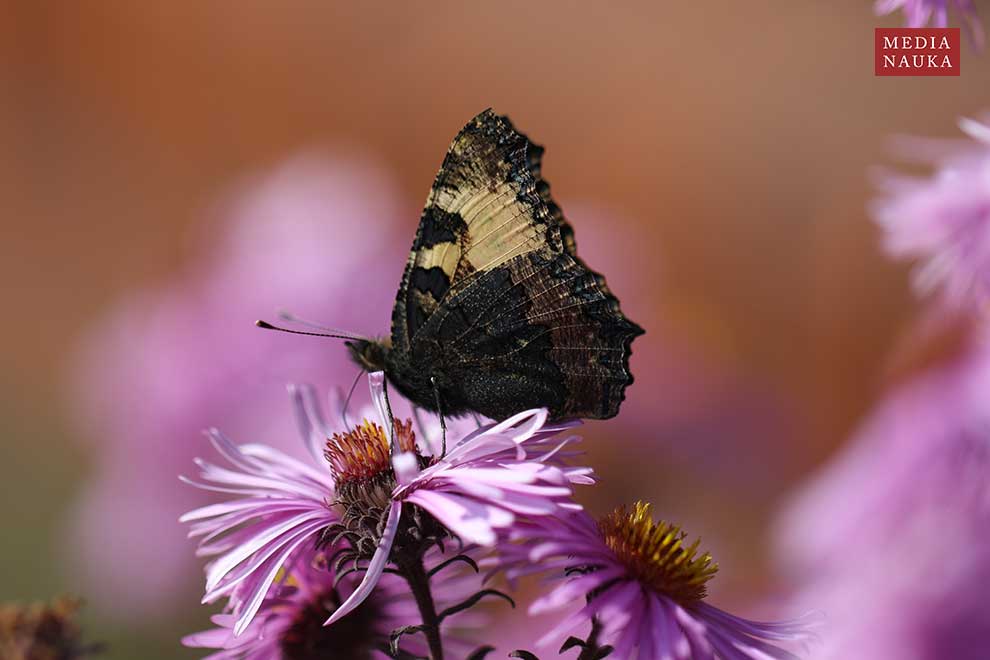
x=897 y=521
x=643 y=586
x=177 y=357
x=921 y=13
x=290 y=621
x=943 y=221
x=388 y=497
x=918 y=595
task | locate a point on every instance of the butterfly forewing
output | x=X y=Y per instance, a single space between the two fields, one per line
x=484 y=208
x=494 y=296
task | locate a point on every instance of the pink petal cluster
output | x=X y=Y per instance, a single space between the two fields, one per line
x=921 y=13
x=943 y=221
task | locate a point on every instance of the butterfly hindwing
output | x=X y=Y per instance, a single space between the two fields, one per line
x=495 y=304
x=536 y=331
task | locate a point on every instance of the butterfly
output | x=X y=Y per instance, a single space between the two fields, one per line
x=496 y=313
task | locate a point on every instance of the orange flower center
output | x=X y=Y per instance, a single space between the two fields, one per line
x=363 y=452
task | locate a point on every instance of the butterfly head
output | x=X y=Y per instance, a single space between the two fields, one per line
x=369 y=354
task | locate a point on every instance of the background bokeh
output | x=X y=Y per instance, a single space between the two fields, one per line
x=713 y=157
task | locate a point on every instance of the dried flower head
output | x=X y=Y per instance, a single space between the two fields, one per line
x=42 y=631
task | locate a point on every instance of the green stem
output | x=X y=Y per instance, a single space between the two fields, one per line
x=419 y=583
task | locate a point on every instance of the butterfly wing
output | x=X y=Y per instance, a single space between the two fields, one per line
x=485 y=207
x=495 y=287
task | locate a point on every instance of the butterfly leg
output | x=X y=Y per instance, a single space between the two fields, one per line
x=443 y=424
x=391 y=420
x=347 y=401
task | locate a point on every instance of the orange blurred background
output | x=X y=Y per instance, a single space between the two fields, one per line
x=730 y=141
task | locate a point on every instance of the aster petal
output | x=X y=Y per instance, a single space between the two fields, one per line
x=663 y=640
x=375 y=568
x=567 y=625
x=726 y=649
x=679 y=643
x=468 y=519
x=249 y=484
x=232 y=453
x=696 y=631
x=572 y=590
x=406 y=467
x=631 y=636
x=224 y=574
x=221 y=526
x=791 y=630
x=268 y=537
x=285 y=465
x=255 y=598
x=523 y=425
x=747 y=648
x=975 y=129
x=309 y=417
x=211 y=639
x=480 y=446
x=220 y=509
x=614 y=606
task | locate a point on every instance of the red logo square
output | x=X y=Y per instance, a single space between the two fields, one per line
x=916 y=52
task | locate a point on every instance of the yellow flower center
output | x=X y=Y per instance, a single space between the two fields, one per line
x=655 y=553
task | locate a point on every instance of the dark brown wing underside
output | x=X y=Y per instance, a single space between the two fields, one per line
x=542 y=316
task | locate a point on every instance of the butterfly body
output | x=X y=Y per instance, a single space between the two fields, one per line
x=496 y=313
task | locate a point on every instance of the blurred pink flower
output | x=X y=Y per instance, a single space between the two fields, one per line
x=889 y=539
x=916 y=595
x=925 y=449
x=921 y=13
x=943 y=221
x=175 y=359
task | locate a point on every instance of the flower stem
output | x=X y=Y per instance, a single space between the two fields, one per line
x=419 y=583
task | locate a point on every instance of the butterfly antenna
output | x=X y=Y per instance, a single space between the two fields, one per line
x=443 y=424
x=289 y=317
x=347 y=401
x=268 y=326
